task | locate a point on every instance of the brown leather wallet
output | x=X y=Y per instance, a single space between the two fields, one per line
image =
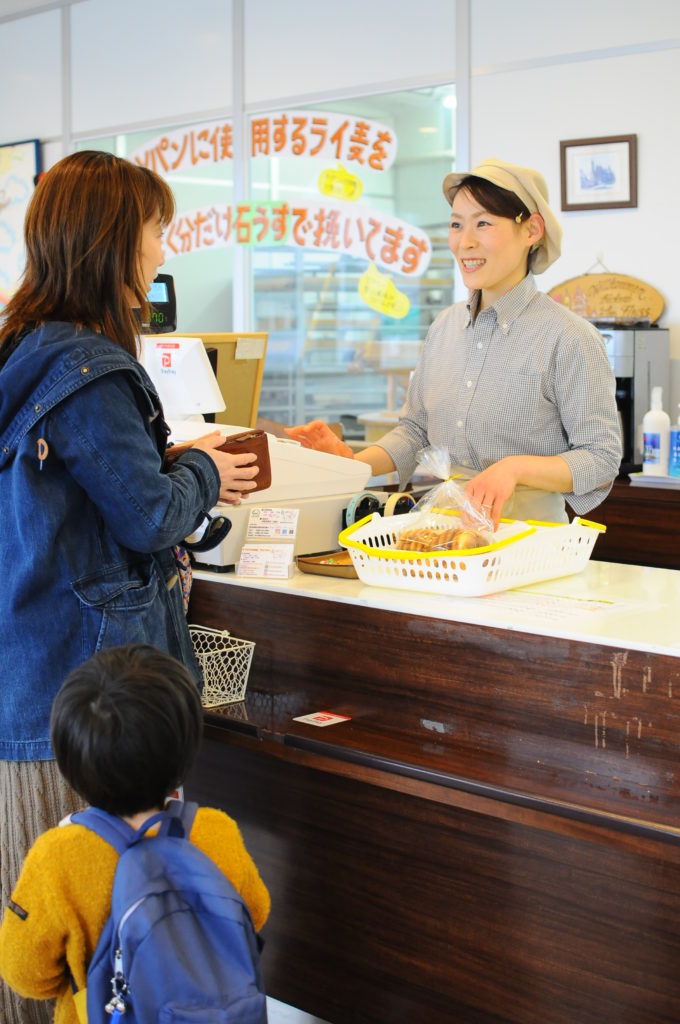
x=257 y=442
x=254 y=441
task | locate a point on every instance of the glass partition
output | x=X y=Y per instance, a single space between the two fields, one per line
x=348 y=294
x=346 y=226
x=196 y=161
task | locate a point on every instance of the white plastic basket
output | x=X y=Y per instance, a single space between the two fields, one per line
x=225 y=661
x=523 y=553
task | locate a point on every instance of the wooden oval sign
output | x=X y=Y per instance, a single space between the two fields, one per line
x=609 y=296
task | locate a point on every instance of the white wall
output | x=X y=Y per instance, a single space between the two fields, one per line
x=304 y=47
x=30 y=77
x=142 y=61
x=602 y=70
x=502 y=32
x=640 y=241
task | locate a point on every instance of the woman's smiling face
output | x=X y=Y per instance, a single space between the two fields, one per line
x=491 y=251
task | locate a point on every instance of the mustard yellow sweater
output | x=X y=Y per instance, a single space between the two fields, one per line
x=63 y=898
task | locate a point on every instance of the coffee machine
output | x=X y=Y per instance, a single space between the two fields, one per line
x=640 y=357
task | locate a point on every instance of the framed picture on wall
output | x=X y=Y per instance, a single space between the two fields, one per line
x=599 y=174
x=19 y=168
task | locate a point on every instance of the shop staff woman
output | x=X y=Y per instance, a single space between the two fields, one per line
x=518 y=388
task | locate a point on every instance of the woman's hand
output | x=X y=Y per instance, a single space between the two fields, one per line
x=236 y=471
x=319 y=436
x=495 y=485
x=490 y=489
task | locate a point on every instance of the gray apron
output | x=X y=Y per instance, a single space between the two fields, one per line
x=526 y=502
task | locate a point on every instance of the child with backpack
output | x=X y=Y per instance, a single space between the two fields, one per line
x=130 y=923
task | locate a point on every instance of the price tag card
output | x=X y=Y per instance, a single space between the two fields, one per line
x=323 y=718
x=271 y=561
x=272 y=523
x=249 y=348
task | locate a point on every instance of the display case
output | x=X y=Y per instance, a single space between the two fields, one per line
x=330 y=355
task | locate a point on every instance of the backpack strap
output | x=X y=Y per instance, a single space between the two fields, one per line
x=178 y=813
x=176 y=820
x=116 y=832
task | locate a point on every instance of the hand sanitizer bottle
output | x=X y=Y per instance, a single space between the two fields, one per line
x=656 y=428
x=674 y=454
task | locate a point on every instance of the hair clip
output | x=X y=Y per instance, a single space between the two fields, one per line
x=518 y=218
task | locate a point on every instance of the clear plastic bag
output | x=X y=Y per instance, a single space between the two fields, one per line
x=470 y=527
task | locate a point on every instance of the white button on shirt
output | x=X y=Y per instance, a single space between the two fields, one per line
x=526 y=376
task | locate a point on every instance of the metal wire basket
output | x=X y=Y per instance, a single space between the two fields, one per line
x=225 y=662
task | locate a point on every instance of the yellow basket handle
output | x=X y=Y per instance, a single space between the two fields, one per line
x=345 y=538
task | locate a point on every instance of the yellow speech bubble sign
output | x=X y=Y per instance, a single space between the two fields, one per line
x=340 y=184
x=380 y=293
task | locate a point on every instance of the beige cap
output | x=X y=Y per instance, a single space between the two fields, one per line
x=530 y=186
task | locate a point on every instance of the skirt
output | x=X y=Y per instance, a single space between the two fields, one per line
x=33 y=798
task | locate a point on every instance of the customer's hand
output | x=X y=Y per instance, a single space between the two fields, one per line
x=237 y=472
x=319 y=436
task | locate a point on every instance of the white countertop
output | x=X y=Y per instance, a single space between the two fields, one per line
x=629 y=606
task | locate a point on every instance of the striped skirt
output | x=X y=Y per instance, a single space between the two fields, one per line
x=33 y=798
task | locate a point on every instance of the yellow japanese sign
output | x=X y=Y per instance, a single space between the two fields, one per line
x=380 y=293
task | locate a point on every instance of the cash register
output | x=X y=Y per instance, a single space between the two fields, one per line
x=318 y=484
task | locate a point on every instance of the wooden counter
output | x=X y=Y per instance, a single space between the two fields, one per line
x=493 y=835
x=643 y=526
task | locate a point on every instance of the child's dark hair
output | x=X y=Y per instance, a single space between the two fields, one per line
x=126 y=727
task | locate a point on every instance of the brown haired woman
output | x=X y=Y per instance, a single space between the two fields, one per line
x=90 y=512
x=518 y=389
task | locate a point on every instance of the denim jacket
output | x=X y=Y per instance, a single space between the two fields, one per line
x=89 y=518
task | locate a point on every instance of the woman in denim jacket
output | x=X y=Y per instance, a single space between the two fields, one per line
x=90 y=512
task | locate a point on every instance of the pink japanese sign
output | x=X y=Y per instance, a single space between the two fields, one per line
x=297 y=133
x=357 y=231
x=187 y=148
x=328 y=136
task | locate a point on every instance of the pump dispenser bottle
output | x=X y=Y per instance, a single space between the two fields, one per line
x=674 y=455
x=656 y=428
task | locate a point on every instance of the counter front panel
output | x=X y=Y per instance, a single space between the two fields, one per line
x=492 y=835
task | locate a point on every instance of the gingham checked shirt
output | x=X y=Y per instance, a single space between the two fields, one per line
x=523 y=377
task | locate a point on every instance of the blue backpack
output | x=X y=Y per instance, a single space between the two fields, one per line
x=179 y=946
